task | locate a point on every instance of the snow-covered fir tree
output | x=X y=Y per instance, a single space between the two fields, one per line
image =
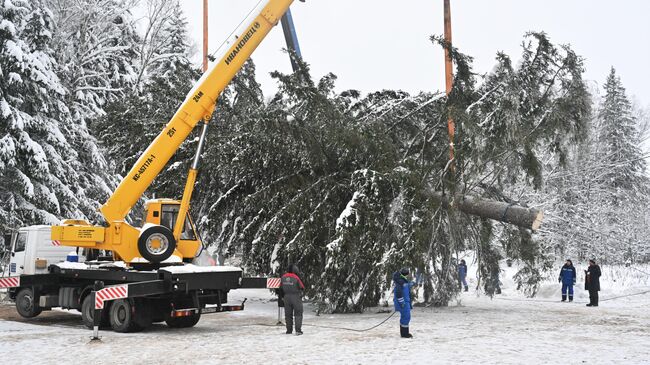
x=623 y=185
x=619 y=144
x=597 y=206
x=96 y=45
x=96 y=51
x=43 y=175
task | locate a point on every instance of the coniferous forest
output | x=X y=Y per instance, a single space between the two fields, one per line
x=338 y=182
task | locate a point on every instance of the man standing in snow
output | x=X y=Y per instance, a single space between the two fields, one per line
x=592 y=283
x=462 y=275
x=568 y=280
x=292 y=288
x=402 y=300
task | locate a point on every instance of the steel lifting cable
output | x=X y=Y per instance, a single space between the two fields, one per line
x=236 y=29
x=625 y=296
x=533 y=300
x=330 y=327
x=394 y=312
x=641 y=271
x=555 y=301
x=353 y=329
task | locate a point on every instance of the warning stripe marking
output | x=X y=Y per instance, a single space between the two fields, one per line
x=110 y=293
x=56 y=243
x=10 y=282
x=273 y=283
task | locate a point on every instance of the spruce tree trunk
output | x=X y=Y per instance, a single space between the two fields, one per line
x=529 y=218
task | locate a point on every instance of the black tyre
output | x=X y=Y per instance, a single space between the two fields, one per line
x=143 y=313
x=122 y=316
x=156 y=244
x=26 y=305
x=183 y=322
x=88 y=312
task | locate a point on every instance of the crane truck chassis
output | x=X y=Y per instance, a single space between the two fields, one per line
x=127 y=300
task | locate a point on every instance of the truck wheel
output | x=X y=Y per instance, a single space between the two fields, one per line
x=143 y=313
x=25 y=304
x=156 y=244
x=122 y=317
x=88 y=312
x=183 y=322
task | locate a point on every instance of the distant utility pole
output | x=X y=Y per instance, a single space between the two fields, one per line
x=449 y=80
x=205 y=35
x=291 y=37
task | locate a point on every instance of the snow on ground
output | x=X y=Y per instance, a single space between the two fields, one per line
x=508 y=329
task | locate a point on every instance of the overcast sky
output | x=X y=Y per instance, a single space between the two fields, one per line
x=382 y=44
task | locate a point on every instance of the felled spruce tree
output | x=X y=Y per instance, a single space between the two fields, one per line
x=342 y=185
x=507 y=124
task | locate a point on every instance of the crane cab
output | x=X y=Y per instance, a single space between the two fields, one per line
x=164 y=212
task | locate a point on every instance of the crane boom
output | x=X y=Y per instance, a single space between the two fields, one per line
x=198 y=105
x=169 y=230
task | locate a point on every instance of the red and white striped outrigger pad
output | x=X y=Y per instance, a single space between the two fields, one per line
x=56 y=243
x=273 y=283
x=110 y=293
x=9 y=282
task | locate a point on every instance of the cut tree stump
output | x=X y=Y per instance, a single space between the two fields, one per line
x=529 y=218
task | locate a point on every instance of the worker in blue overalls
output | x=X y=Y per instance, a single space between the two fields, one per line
x=568 y=280
x=402 y=300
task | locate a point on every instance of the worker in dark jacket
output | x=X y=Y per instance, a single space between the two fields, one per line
x=462 y=274
x=402 y=300
x=592 y=283
x=292 y=288
x=568 y=280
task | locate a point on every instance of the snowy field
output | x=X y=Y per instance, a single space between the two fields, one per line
x=508 y=329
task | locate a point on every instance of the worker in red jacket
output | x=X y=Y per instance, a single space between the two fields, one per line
x=292 y=288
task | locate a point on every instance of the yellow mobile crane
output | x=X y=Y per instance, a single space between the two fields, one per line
x=168 y=229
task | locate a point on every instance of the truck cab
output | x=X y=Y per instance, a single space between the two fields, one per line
x=32 y=251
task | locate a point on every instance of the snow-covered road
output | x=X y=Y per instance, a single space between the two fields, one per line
x=509 y=330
